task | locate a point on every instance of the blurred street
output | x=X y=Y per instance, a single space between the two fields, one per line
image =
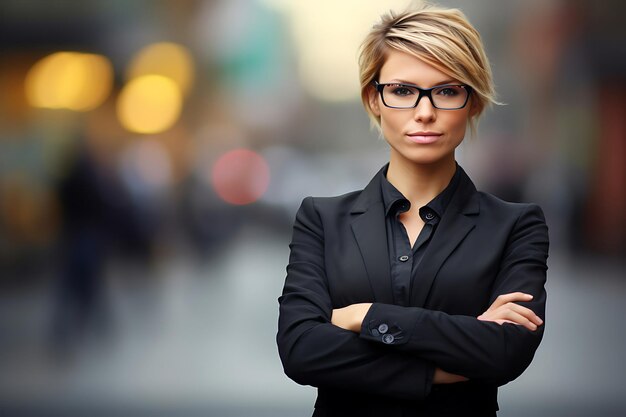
x=198 y=339
x=153 y=155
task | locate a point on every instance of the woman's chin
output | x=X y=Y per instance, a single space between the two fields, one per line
x=425 y=156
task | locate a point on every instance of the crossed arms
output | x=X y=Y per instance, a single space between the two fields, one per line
x=335 y=348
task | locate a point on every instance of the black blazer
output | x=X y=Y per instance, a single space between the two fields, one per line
x=483 y=247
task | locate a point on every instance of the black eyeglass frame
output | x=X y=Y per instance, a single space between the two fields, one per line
x=423 y=92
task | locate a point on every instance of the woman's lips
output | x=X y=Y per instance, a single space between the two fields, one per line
x=423 y=137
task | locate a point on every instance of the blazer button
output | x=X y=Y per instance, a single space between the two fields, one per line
x=388 y=339
x=429 y=216
x=403 y=258
x=383 y=328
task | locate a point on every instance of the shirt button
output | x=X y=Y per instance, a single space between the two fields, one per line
x=403 y=258
x=388 y=339
x=429 y=216
x=383 y=328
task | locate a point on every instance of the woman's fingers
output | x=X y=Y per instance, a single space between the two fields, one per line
x=520 y=319
x=510 y=298
x=525 y=312
x=513 y=313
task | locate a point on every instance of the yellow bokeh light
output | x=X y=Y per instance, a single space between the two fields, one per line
x=149 y=104
x=69 y=80
x=327 y=53
x=165 y=58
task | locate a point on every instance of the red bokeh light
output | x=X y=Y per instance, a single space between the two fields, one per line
x=240 y=176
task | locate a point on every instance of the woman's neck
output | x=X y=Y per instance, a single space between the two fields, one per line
x=420 y=183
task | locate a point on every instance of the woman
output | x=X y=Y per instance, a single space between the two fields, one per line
x=417 y=295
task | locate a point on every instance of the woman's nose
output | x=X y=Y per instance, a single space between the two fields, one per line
x=425 y=111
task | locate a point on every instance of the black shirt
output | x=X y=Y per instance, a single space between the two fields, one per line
x=403 y=259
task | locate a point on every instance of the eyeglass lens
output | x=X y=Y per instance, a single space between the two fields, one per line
x=444 y=97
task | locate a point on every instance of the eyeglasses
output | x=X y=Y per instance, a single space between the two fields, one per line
x=408 y=96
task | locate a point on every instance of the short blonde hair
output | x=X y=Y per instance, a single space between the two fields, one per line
x=441 y=37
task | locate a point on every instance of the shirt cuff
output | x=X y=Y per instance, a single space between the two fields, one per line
x=379 y=326
x=383 y=326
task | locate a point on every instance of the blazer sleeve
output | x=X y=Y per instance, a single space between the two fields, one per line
x=465 y=345
x=315 y=352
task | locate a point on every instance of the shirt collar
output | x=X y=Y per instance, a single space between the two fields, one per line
x=395 y=202
x=392 y=198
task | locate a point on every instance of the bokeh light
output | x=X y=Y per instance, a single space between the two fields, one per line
x=168 y=59
x=240 y=176
x=118 y=248
x=328 y=58
x=69 y=80
x=149 y=104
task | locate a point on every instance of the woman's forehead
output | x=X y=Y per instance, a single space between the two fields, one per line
x=405 y=68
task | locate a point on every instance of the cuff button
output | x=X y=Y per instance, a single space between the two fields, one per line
x=388 y=339
x=383 y=328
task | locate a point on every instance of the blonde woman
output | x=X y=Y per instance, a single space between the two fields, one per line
x=418 y=295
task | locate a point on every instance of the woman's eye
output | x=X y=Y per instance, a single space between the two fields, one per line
x=402 y=91
x=448 y=91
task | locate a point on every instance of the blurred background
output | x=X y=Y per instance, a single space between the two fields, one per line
x=153 y=155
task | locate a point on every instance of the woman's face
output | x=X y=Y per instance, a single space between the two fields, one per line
x=424 y=134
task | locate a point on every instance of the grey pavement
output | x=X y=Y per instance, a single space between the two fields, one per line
x=196 y=337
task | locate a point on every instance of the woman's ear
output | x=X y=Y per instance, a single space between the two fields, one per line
x=474 y=108
x=373 y=96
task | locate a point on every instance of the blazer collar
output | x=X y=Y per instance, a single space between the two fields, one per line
x=371 y=193
x=457 y=221
x=370 y=233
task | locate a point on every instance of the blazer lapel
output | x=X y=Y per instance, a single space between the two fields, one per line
x=370 y=233
x=456 y=223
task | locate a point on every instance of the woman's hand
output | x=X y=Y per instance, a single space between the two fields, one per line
x=504 y=310
x=350 y=317
x=443 y=377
